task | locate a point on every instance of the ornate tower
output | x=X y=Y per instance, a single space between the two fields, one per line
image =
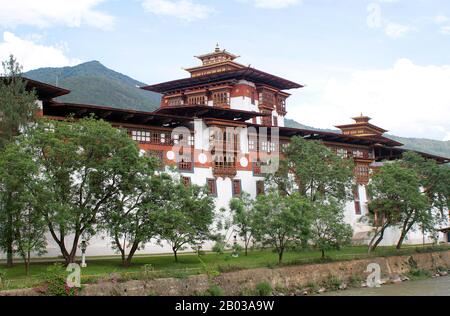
x=361 y=127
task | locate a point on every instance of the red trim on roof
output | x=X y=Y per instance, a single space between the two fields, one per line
x=252 y=74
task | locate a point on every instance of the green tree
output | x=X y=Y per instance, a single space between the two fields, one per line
x=434 y=179
x=20 y=224
x=242 y=209
x=281 y=221
x=187 y=217
x=82 y=166
x=17 y=108
x=383 y=214
x=133 y=216
x=328 y=229
x=17 y=105
x=397 y=190
x=314 y=171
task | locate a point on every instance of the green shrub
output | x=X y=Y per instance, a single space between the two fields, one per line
x=313 y=287
x=272 y=265
x=214 y=290
x=237 y=248
x=418 y=274
x=3 y=279
x=247 y=292
x=355 y=281
x=263 y=289
x=219 y=247
x=147 y=272
x=332 y=283
x=223 y=268
x=55 y=282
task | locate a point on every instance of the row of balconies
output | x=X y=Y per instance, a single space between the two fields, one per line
x=222 y=99
x=219 y=99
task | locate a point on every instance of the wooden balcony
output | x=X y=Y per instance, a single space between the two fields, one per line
x=185 y=166
x=222 y=146
x=221 y=104
x=224 y=171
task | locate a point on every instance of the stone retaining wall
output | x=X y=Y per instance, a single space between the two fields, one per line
x=290 y=277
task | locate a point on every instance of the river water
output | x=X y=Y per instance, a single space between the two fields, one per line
x=429 y=287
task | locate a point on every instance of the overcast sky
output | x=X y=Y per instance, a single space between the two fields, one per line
x=389 y=59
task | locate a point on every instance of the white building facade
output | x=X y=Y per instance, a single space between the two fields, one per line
x=230 y=120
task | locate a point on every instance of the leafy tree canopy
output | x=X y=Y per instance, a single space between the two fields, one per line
x=314 y=171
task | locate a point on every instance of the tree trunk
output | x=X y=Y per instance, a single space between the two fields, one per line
x=372 y=245
x=323 y=254
x=60 y=242
x=246 y=243
x=403 y=236
x=405 y=230
x=175 y=253
x=9 y=254
x=27 y=263
x=9 y=241
x=400 y=242
x=280 y=256
x=121 y=249
x=73 y=251
x=378 y=241
x=131 y=254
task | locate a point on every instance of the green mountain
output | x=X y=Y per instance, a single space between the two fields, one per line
x=93 y=83
x=431 y=146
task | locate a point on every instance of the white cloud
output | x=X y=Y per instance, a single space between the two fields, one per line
x=32 y=55
x=447 y=137
x=440 y=18
x=375 y=20
x=46 y=13
x=396 y=30
x=273 y=4
x=407 y=99
x=445 y=30
x=182 y=9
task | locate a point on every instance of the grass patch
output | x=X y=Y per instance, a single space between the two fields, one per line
x=263 y=289
x=332 y=283
x=419 y=274
x=160 y=266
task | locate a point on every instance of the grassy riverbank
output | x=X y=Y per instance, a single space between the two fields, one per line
x=157 y=266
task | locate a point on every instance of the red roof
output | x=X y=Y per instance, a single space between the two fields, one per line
x=251 y=74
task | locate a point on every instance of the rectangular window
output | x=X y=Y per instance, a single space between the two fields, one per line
x=275 y=121
x=237 y=188
x=357 y=201
x=212 y=186
x=191 y=140
x=186 y=181
x=141 y=136
x=260 y=187
x=251 y=145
